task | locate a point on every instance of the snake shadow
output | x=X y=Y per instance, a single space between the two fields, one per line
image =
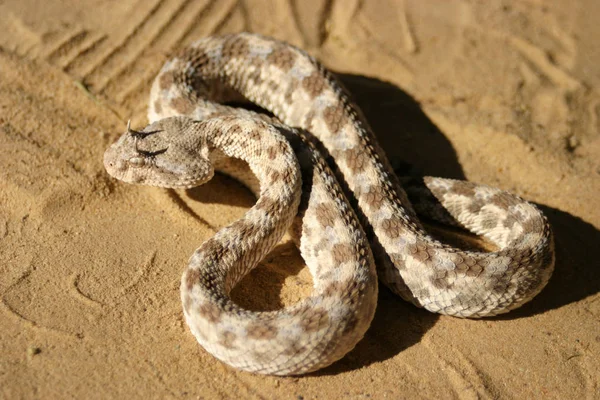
x=416 y=147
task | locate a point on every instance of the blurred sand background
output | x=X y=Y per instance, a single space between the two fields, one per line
x=500 y=92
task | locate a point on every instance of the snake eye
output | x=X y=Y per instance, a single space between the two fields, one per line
x=137 y=161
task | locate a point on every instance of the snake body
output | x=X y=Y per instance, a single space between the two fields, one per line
x=186 y=107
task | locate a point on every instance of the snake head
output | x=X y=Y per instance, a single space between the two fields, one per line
x=165 y=153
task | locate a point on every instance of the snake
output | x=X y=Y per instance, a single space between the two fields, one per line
x=315 y=166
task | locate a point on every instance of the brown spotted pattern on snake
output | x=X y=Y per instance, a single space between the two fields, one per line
x=192 y=133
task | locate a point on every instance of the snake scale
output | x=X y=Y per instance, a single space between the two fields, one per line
x=349 y=233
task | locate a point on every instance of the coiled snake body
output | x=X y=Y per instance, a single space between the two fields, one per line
x=192 y=133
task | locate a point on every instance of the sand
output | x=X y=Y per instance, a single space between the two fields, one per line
x=505 y=93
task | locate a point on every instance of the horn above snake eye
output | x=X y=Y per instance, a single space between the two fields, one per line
x=139 y=134
x=132 y=132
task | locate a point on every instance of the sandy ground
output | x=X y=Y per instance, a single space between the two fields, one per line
x=505 y=93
